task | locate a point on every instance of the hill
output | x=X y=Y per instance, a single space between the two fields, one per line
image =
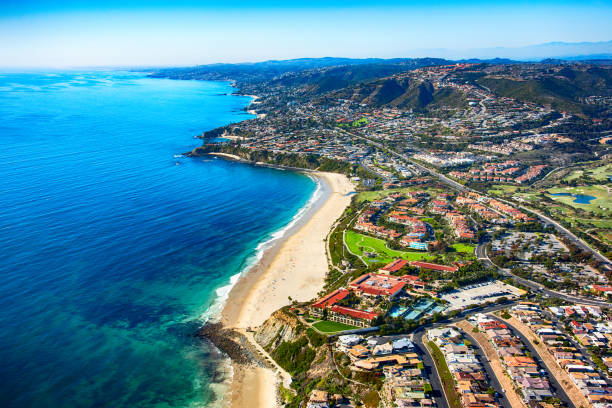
x=402 y=92
x=563 y=87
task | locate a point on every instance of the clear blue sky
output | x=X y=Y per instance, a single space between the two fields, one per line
x=144 y=33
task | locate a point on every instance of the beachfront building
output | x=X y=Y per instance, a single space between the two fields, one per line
x=327 y=307
x=393 y=267
x=434 y=267
x=374 y=285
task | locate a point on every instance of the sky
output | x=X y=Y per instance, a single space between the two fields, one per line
x=65 y=33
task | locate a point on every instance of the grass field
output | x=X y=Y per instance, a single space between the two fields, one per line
x=447 y=379
x=325 y=326
x=464 y=248
x=596 y=223
x=573 y=175
x=501 y=189
x=601 y=205
x=358 y=243
x=378 y=194
x=602 y=173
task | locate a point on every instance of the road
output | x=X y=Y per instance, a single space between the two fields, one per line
x=558 y=390
x=482 y=255
x=491 y=377
x=547 y=220
x=432 y=373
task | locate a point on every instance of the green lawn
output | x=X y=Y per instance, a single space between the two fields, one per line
x=500 y=189
x=602 y=173
x=465 y=248
x=360 y=122
x=603 y=199
x=447 y=379
x=358 y=243
x=573 y=175
x=597 y=223
x=325 y=326
x=378 y=194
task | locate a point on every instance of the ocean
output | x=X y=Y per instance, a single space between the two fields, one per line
x=114 y=248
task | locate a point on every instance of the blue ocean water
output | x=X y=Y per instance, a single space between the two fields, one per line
x=111 y=249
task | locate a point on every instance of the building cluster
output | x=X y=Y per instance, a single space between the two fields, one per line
x=417 y=235
x=588 y=328
x=366 y=221
x=508 y=171
x=529 y=379
x=448 y=159
x=470 y=381
x=331 y=308
x=503 y=172
x=509 y=211
x=458 y=221
x=474 y=203
x=507 y=147
x=394 y=357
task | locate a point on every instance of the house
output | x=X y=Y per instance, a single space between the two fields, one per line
x=433 y=266
x=377 y=285
x=318 y=399
x=350 y=316
x=349 y=340
x=393 y=267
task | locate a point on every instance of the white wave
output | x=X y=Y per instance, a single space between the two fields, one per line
x=214 y=311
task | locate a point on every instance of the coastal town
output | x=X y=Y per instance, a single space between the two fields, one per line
x=306 y=204
x=449 y=282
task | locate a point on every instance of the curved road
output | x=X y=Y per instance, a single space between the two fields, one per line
x=547 y=220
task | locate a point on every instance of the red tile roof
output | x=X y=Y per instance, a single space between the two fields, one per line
x=374 y=284
x=331 y=298
x=358 y=314
x=433 y=266
x=395 y=265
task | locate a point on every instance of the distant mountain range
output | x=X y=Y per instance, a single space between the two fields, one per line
x=555 y=50
x=552 y=53
x=560 y=83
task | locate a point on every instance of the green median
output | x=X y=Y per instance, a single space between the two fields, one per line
x=448 y=382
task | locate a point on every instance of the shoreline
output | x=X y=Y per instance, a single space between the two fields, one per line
x=300 y=253
x=251 y=110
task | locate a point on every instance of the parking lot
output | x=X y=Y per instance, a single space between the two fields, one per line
x=479 y=293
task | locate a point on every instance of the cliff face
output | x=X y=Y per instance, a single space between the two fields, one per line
x=279 y=327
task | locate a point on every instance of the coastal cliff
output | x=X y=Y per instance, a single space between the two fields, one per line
x=303 y=353
x=280 y=327
x=290 y=160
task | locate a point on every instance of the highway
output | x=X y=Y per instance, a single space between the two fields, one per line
x=480 y=251
x=537 y=287
x=458 y=186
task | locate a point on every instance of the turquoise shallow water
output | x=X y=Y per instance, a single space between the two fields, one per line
x=113 y=250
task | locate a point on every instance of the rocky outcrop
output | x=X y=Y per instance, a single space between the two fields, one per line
x=280 y=326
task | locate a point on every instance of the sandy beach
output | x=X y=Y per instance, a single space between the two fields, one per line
x=252 y=111
x=296 y=267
